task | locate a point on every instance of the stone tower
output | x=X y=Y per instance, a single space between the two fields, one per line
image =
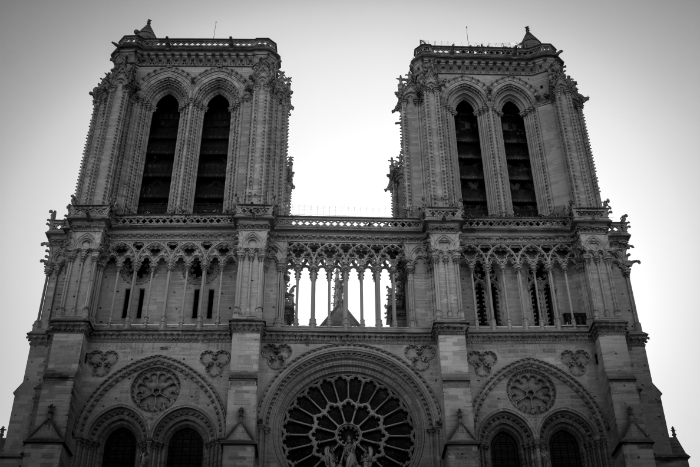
x=496 y=322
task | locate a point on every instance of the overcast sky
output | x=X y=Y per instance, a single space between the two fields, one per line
x=633 y=58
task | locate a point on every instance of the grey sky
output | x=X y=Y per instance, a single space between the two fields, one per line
x=632 y=57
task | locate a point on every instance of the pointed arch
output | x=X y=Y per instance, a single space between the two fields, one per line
x=129 y=371
x=164 y=81
x=601 y=424
x=465 y=88
x=512 y=424
x=114 y=418
x=184 y=417
x=215 y=81
x=513 y=89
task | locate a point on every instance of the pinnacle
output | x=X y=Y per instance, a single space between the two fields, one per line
x=146 y=32
x=529 y=40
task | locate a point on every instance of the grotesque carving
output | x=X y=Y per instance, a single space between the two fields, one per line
x=482 y=361
x=576 y=361
x=420 y=355
x=276 y=355
x=348 y=421
x=101 y=362
x=155 y=390
x=214 y=362
x=531 y=392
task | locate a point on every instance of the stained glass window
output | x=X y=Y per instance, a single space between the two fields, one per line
x=120 y=449
x=185 y=449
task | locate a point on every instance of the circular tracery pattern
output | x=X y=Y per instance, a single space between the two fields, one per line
x=348 y=421
x=155 y=390
x=531 y=392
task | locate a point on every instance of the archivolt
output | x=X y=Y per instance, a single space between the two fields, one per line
x=465 y=88
x=506 y=420
x=513 y=89
x=189 y=416
x=569 y=420
x=165 y=81
x=215 y=81
x=577 y=387
x=114 y=418
x=135 y=367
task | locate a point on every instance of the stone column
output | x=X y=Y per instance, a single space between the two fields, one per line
x=494 y=161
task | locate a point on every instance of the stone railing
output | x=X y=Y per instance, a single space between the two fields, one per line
x=477 y=50
x=518 y=223
x=168 y=220
x=199 y=43
x=312 y=222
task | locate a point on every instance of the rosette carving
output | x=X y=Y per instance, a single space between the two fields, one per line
x=531 y=392
x=420 y=355
x=276 y=355
x=482 y=361
x=215 y=362
x=155 y=390
x=101 y=362
x=576 y=361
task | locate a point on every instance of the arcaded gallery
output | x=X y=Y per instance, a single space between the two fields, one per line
x=190 y=318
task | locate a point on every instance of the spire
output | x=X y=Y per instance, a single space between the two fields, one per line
x=529 y=40
x=146 y=32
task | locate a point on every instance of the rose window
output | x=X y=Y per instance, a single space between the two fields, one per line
x=531 y=392
x=155 y=390
x=348 y=421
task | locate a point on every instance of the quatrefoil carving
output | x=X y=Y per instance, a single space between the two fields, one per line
x=214 y=362
x=101 y=362
x=276 y=355
x=576 y=361
x=482 y=361
x=420 y=355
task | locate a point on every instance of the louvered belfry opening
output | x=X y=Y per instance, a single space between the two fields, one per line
x=160 y=154
x=120 y=449
x=504 y=451
x=471 y=167
x=211 y=172
x=522 y=188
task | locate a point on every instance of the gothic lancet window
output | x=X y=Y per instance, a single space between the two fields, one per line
x=211 y=172
x=471 y=167
x=504 y=451
x=160 y=154
x=185 y=449
x=564 y=450
x=120 y=449
x=540 y=296
x=522 y=188
x=484 y=296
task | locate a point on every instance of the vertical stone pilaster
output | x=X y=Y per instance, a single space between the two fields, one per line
x=493 y=156
x=538 y=159
x=187 y=158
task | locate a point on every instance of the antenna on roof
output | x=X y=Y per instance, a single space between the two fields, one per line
x=214 y=30
x=467 y=34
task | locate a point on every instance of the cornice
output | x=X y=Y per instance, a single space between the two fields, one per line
x=637 y=339
x=353 y=335
x=161 y=336
x=449 y=328
x=607 y=327
x=38 y=339
x=239 y=326
x=65 y=326
x=526 y=337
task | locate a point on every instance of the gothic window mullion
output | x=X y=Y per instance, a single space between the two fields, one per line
x=519 y=166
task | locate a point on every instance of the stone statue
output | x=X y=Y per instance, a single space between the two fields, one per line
x=349 y=452
x=368 y=457
x=144 y=458
x=329 y=457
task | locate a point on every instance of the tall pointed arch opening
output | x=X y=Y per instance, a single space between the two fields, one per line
x=160 y=155
x=522 y=187
x=213 y=152
x=471 y=167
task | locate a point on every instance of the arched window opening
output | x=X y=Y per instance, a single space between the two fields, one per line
x=211 y=172
x=471 y=167
x=185 y=449
x=120 y=449
x=540 y=296
x=485 y=297
x=160 y=155
x=522 y=188
x=504 y=451
x=564 y=450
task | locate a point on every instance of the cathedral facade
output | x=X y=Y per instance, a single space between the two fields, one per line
x=496 y=323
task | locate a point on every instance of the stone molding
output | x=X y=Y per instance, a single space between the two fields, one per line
x=637 y=339
x=550 y=370
x=527 y=337
x=144 y=364
x=319 y=336
x=450 y=328
x=607 y=327
x=238 y=326
x=132 y=335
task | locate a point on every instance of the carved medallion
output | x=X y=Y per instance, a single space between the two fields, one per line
x=482 y=361
x=576 y=361
x=101 y=362
x=531 y=392
x=276 y=355
x=420 y=355
x=155 y=390
x=345 y=421
x=215 y=362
